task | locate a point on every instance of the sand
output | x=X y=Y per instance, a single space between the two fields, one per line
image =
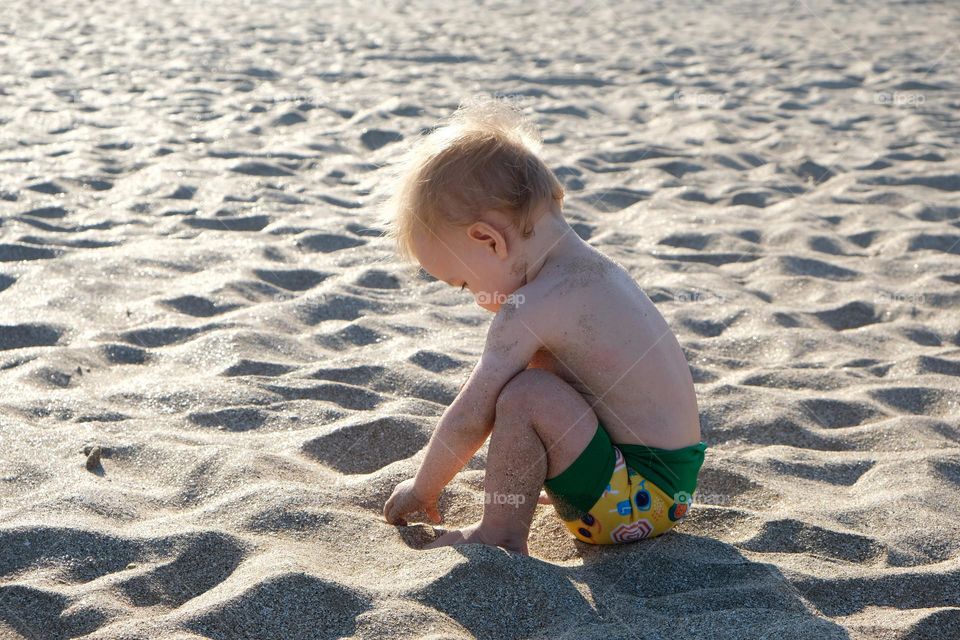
x=192 y=280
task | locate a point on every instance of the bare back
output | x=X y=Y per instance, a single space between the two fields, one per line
x=604 y=337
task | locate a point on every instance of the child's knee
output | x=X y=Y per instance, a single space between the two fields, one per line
x=525 y=387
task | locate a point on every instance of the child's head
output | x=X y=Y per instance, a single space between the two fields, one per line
x=467 y=196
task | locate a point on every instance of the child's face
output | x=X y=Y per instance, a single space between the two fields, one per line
x=483 y=256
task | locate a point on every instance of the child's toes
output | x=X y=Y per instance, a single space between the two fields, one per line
x=544 y=498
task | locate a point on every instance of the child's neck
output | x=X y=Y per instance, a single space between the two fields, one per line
x=552 y=237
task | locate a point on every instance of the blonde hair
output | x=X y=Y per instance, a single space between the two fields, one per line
x=483 y=157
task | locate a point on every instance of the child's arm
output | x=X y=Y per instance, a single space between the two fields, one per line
x=466 y=423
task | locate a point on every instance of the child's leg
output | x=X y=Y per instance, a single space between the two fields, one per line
x=542 y=425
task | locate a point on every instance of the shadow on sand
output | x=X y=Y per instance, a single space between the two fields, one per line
x=674 y=586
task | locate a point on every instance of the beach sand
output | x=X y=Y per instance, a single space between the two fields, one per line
x=193 y=283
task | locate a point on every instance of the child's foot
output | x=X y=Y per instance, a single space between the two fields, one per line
x=474 y=534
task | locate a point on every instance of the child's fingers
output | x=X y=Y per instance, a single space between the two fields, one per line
x=390 y=510
x=392 y=514
x=433 y=512
x=395 y=518
x=386 y=510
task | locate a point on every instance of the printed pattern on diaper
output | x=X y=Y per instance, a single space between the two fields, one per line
x=681 y=501
x=590 y=528
x=631 y=508
x=642 y=497
x=630 y=532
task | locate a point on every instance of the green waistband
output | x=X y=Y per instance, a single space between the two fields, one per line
x=673 y=470
x=583 y=482
x=578 y=488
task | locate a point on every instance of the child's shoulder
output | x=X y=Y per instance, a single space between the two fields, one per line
x=565 y=289
x=550 y=300
x=574 y=282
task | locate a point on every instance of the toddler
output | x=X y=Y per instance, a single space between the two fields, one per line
x=582 y=388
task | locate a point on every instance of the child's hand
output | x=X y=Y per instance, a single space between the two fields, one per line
x=404 y=502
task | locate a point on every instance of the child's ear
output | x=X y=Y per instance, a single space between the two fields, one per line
x=490 y=237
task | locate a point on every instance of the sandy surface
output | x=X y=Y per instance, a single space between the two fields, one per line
x=190 y=281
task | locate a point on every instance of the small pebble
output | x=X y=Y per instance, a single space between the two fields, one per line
x=93 y=459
